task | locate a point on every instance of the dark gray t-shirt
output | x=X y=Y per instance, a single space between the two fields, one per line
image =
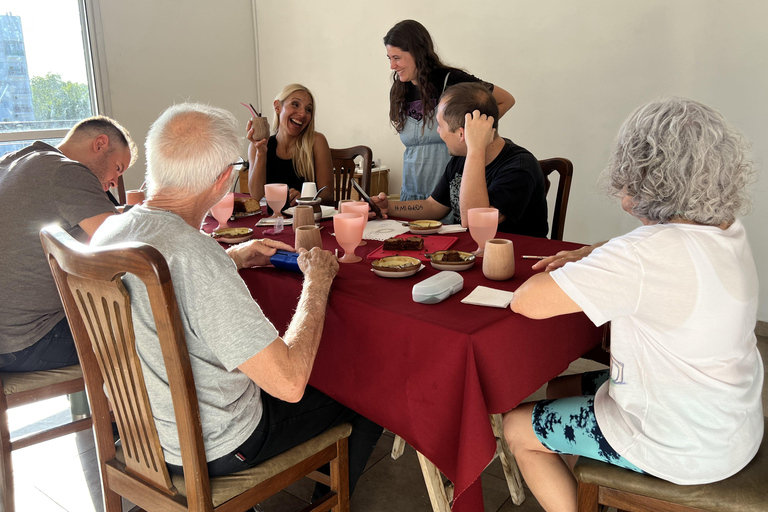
x=38 y=186
x=223 y=325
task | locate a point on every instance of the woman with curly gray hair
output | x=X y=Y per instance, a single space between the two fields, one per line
x=681 y=400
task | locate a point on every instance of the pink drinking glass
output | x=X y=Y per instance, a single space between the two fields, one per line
x=483 y=223
x=356 y=207
x=276 y=194
x=222 y=210
x=349 y=231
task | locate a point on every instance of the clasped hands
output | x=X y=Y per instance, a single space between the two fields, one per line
x=256 y=253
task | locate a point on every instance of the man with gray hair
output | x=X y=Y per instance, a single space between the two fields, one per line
x=41 y=184
x=251 y=382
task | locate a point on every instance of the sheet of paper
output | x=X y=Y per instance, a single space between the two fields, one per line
x=491 y=297
x=381 y=229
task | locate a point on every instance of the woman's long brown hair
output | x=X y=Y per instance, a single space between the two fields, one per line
x=411 y=36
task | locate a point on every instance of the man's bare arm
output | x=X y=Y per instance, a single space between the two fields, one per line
x=283 y=368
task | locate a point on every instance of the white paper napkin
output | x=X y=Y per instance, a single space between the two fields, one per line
x=327 y=211
x=381 y=229
x=451 y=228
x=271 y=222
x=491 y=297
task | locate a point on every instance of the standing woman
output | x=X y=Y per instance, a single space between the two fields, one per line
x=295 y=153
x=419 y=79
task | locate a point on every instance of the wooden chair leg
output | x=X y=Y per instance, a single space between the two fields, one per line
x=508 y=463
x=340 y=475
x=587 y=498
x=6 y=469
x=398 y=447
x=435 y=487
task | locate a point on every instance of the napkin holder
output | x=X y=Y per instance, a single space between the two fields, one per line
x=285 y=260
x=438 y=287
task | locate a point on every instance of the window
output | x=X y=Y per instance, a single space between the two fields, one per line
x=46 y=70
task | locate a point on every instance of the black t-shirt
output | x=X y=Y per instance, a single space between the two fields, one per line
x=437 y=79
x=515 y=187
x=281 y=171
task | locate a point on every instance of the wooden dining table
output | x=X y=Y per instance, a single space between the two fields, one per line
x=430 y=373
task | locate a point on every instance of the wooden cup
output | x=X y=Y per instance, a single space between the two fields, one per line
x=499 y=259
x=307 y=237
x=303 y=215
x=134 y=196
x=260 y=128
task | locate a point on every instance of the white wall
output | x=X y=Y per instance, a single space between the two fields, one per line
x=577 y=69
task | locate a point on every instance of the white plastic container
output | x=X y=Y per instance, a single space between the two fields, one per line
x=438 y=287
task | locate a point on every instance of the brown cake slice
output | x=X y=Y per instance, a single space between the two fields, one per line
x=412 y=243
x=246 y=205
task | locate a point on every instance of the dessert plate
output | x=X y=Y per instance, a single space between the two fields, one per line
x=232 y=235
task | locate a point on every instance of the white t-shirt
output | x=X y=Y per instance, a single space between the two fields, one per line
x=683 y=402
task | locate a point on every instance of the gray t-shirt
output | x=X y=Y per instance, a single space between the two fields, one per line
x=38 y=186
x=223 y=325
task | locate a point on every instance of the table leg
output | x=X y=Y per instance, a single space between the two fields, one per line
x=435 y=488
x=511 y=471
x=398 y=446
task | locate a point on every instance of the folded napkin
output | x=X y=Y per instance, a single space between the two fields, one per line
x=491 y=297
x=381 y=229
x=451 y=228
x=271 y=222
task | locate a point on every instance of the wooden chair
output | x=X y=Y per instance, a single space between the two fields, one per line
x=564 y=168
x=99 y=311
x=120 y=189
x=344 y=170
x=22 y=388
x=612 y=486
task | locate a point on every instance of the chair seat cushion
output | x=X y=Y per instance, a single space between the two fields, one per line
x=17 y=382
x=746 y=491
x=224 y=488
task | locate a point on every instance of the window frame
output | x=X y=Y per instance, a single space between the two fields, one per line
x=95 y=67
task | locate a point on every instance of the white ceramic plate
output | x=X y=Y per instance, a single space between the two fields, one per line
x=397 y=274
x=424 y=227
x=327 y=211
x=452 y=265
x=240 y=215
x=233 y=235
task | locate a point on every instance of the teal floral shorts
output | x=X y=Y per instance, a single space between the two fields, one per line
x=568 y=425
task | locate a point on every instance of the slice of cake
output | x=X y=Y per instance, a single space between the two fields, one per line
x=412 y=243
x=246 y=205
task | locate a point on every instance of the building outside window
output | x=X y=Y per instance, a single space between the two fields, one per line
x=47 y=82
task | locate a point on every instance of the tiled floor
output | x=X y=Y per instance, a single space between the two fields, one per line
x=62 y=475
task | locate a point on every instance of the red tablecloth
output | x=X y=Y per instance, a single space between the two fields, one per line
x=430 y=373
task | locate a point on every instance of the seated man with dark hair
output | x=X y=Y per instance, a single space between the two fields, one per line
x=486 y=170
x=41 y=184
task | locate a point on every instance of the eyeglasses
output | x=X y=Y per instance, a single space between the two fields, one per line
x=243 y=163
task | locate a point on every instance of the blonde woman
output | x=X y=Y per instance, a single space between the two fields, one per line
x=296 y=153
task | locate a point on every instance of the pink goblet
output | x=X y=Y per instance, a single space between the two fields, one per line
x=349 y=231
x=222 y=210
x=356 y=207
x=483 y=223
x=276 y=194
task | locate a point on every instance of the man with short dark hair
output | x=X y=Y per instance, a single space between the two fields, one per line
x=486 y=170
x=40 y=185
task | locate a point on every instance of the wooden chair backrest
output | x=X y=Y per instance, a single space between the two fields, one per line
x=99 y=311
x=564 y=168
x=344 y=169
